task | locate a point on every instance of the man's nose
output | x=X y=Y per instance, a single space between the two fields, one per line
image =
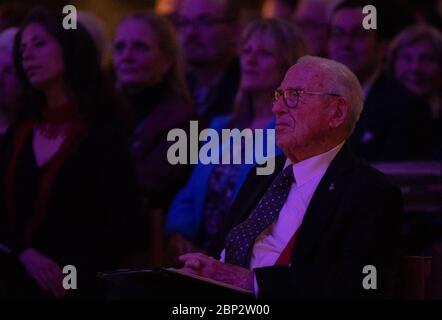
x=279 y=107
x=26 y=54
x=126 y=54
x=346 y=40
x=251 y=58
x=414 y=64
x=191 y=29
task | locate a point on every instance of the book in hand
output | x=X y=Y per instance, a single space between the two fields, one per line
x=169 y=284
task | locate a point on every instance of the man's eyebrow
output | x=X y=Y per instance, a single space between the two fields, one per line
x=294 y=88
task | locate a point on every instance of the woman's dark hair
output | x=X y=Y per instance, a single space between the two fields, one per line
x=83 y=75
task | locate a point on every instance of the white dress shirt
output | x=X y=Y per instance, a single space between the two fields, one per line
x=272 y=241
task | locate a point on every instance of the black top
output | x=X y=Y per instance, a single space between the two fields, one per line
x=93 y=219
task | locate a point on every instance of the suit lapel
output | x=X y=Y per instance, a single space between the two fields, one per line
x=246 y=200
x=323 y=204
x=257 y=188
x=254 y=191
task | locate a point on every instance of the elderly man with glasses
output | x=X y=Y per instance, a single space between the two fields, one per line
x=325 y=224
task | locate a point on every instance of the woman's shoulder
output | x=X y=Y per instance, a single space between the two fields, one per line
x=175 y=103
x=220 y=122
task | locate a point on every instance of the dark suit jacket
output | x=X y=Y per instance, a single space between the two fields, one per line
x=394 y=124
x=222 y=96
x=353 y=220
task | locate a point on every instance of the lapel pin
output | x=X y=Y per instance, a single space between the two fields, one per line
x=331 y=187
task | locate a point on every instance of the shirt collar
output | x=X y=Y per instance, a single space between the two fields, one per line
x=310 y=168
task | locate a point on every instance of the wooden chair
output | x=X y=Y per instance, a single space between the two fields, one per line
x=413 y=277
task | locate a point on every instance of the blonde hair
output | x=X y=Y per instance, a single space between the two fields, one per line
x=410 y=36
x=167 y=41
x=289 y=46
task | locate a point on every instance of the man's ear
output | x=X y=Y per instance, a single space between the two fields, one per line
x=339 y=112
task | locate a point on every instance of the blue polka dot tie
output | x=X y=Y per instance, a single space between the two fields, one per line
x=241 y=238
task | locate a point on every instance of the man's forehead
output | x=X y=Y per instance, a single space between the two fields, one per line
x=348 y=17
x=311 y=10
x=194 y=8
x=303 y=76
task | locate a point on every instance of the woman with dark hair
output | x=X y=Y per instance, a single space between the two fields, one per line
x=67 y=193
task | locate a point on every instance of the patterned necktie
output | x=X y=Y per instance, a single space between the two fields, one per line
x=241 y=238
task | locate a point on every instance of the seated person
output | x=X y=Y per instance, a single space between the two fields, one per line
x=208 y=33
x=310 y=229
x=150 y=76
x=415 y=59
x=198 y=209
x=67 y=194
x=395 y=123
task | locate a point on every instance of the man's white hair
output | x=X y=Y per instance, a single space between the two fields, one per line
x=339 y=79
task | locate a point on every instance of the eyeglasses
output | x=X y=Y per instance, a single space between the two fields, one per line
x=291 y=96
x=203 y=22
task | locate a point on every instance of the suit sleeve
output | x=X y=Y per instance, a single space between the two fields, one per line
x=372 y=237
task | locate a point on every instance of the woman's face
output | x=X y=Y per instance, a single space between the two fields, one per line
x=42 y=56
x=418 y=67
x=260 y=69
x=137 y=58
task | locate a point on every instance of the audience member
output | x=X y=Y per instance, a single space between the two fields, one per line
x=394 y=124
x=309 y=230
x=150 y=75
x=68 y=191
x=197 y=211
x=415 y=59
x=208 y=35
x=313 y=16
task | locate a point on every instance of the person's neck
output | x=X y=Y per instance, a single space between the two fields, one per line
x=207 y=75
x=313 y=149
x=56 y=95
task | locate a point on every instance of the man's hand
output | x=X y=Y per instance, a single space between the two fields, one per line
x=44 y=271
x=202 y=265
x=178 y=245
